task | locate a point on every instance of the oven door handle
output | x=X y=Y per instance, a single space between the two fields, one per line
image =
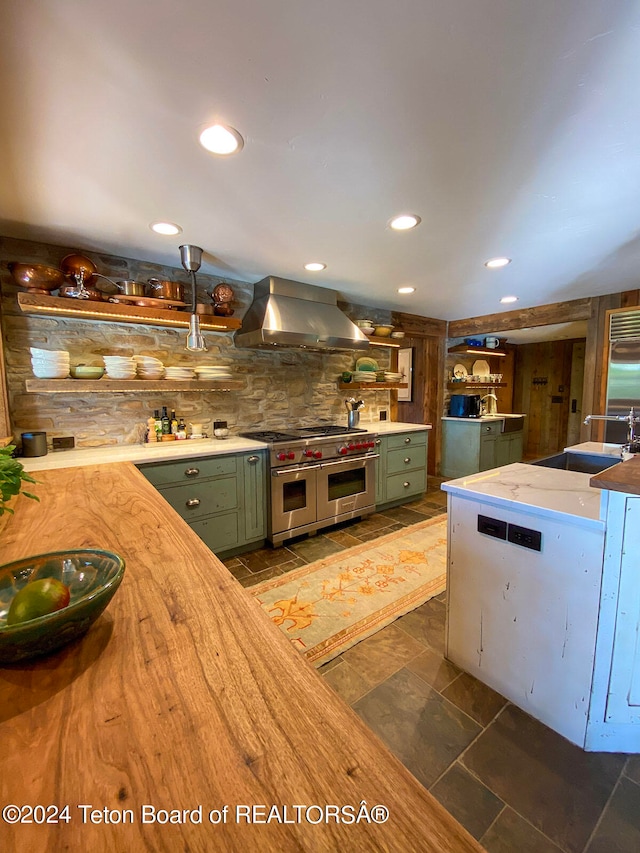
x=281 y=472
x=349 y=459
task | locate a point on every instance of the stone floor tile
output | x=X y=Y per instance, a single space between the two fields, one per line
x=315 y=548
x=619 y=829
x=553 y=784
x=370 y=535
x=258 y=577
x=632 y=768
x=343 y=538
x=403 y=515
x=474 y=698
x=467 y=799
x=382 y=654
x=434 y=669
x=329 y=665
x=347 y=682
x=265 y=558
x=426 y=624
x=423 y=729
x=237 y=569
x=513 y=834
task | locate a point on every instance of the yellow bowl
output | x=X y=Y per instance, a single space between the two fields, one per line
x=383 y=331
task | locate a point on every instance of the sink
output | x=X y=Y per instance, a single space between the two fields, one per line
x=588 y=463
x=510 y=422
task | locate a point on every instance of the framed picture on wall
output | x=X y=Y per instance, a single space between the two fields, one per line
x=405 y=366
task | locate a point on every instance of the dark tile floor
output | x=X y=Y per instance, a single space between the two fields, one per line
x=513 y=783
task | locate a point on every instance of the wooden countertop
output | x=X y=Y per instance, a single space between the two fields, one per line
x=182 y=694
x=624 y=477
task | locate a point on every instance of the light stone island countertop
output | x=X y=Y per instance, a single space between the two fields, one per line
x=596 y=447
x=546 y=492
x=166 y=451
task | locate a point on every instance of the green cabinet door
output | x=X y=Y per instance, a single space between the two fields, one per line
x=381 y=470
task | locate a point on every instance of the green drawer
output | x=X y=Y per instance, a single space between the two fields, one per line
x=406 y=459
x=406 y=439
x=406 y=485
x=161 y=473
x=193 y=500
x=219 y=533
x=490 y=427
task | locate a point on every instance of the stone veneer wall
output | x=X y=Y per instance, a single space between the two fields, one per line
x=280 y=388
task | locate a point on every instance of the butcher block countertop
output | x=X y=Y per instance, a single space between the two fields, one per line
x=184 y=696
x=624 y=477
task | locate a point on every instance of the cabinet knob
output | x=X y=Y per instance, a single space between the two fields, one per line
x=406 y=484
x=192 y=472
x=487 y=429
x=407 y=440
x=407 y=460
x=193 y=502
x=253 y=460
x=378 y=441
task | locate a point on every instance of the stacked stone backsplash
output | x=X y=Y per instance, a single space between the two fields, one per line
x=280 y=388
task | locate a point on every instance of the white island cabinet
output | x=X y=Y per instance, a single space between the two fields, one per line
x=544 y=596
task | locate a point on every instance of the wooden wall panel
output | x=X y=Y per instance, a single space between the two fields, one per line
x=541 y=315
x=542 y=391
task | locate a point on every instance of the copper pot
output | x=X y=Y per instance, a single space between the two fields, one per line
x=73 y=291
x=173 y=290
x=78 y=268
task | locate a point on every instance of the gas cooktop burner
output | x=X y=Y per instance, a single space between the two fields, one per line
x=319 y=431
x=327 y=429
x=269 y=435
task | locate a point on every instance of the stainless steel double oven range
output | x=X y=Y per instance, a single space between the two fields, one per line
x=319 y=476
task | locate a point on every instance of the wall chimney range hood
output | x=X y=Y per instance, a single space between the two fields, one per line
x=288 y=313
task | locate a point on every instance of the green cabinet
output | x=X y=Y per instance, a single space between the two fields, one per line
x=401 y=469
x=469 y=446
x=222 y=498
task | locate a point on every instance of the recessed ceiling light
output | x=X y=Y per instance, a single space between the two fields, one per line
x=496 y=263
x=509 y=299
x=406 y=290
x=404 y=222
x=168 y=229
x=314 y=267
x=220 y=139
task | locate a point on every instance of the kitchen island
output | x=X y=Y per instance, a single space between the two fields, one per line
x=184 y=696
x=544 y=594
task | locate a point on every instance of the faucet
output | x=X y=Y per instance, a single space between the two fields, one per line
x=491 y=408
x=633 y=442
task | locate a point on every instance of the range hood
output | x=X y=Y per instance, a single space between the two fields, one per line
x=288 y=313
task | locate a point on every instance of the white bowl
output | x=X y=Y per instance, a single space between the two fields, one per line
x=397 y=335
x=57 y=362
x=49 y=373
x=46 y=353
x=368 y=330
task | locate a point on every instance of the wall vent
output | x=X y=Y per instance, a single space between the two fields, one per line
x=624 y=325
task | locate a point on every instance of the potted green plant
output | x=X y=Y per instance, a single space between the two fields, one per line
x=12 y=478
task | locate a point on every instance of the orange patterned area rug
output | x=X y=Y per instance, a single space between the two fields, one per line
x=328 y=606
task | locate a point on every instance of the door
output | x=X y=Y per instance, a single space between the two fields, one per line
x=345 y=486
x=293 y=497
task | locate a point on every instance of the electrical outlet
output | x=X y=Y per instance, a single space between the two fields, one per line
x=66 y=443
x=383 y=415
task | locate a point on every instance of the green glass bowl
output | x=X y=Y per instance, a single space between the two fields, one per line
x=92 y=577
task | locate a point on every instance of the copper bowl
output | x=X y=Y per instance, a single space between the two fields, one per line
x=78 y=268
x=36 y=278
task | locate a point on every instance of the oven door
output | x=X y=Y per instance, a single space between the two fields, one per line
x=293 y=498
x=346 y=486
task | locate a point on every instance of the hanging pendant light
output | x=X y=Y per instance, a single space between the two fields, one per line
x=191 y=258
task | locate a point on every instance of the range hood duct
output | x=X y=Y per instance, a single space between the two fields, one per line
x=288 y=313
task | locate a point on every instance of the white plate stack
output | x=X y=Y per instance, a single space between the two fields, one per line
x=148 y=367
x=49 y=364
x=364 y=376
x=119 y=366
x=212 y=372
x=390 y=376
x=179 y=373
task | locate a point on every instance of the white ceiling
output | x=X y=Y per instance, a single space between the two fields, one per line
x=510 y=126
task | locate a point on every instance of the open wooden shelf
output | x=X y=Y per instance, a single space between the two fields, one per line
x=396 y=343
x=476 y=384
x=469 y=350
x=101 y=386
x=372 y=386
x=116 y=312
